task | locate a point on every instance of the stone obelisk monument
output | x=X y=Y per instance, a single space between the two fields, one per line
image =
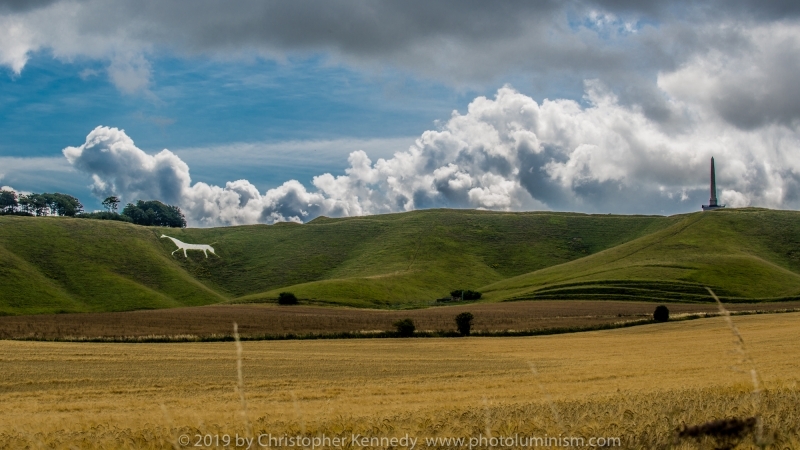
x=712 y=202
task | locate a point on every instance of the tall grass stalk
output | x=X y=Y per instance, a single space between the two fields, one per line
x=240 y=386
x=547 y=397
x=487 y=418
x=298 y=413
x=171 y=425
x=744 y=359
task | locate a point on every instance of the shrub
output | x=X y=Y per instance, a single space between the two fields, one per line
x=405 y=327
x=464 y=323
x=287 y=298
x=466 y=295
x=661 y=314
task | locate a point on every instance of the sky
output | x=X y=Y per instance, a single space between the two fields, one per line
x=265 y=111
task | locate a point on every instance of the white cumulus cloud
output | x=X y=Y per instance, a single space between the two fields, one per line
x=505 y=153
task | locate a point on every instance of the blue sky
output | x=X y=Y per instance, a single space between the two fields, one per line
x=593 y=105
x=201 y=103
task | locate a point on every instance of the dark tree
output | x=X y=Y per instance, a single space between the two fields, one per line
x=52 y=201
x=8 y=201
x=464 y=323
x=34 y=203
x=69 y=205
x=405 y=327
x=155 y=213
x=63 y=204
x=111 y=203
x=24 y=204
x=43 y=204
x=137 y=215
x=661 y=314
x=287 y=298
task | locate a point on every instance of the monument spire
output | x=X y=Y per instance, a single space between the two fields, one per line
x=712 y=202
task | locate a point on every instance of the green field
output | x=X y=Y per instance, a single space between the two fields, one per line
x=55 y=264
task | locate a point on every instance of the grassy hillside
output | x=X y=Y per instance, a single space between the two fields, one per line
x=51 y=264
x=740 y=253
x=401 y=260
x=397 y=260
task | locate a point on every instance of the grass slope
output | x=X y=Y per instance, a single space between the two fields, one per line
x=400 y=260
x=743 y=254
x=396 y=260
x=51 y=264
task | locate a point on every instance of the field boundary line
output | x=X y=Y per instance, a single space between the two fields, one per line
x=153 y=339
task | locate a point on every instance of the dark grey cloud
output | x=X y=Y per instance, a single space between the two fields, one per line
x=22 y=5
x=355 y=26
x=703 y=10
x=377 y=28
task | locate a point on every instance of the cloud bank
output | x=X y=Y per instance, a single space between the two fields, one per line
x=504 y=153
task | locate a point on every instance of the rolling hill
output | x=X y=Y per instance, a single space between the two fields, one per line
x=743 y=254
x=56 y=264
x=51 y=264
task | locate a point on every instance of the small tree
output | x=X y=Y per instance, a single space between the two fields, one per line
x=33 y=203
x=111 y=203
x=661 y=314
x=405 y=327
x=287 y=298
x=63 y=204
x=464 y=323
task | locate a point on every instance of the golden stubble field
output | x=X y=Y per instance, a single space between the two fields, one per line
x=639 y=384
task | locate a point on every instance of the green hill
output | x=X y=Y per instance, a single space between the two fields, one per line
x=396 y=260
x=743 y=254
x=401 y=260
x=52 y=264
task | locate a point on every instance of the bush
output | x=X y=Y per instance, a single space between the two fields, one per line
x=287 y=298
x=464 y=323
x=661 y=314
x=405 y=327
x=466 y=295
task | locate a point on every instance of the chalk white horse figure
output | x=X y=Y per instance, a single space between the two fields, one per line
x=184 y=246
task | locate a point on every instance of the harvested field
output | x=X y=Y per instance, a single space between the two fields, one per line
x=638 y=384
x=270 y=319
